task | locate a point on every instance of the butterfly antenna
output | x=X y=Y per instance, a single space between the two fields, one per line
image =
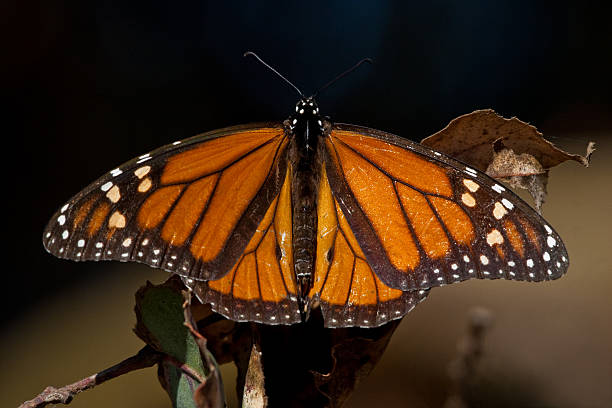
x=342 y=75
x=275 y=71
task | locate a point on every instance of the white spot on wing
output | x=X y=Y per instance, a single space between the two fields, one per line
x=117 y=220
x=498 y=188
x=145 y=185
x=495 y=237
x=499 y=211
x=507 y=203
x=471 y=185
x=468 y=199
x=142 y=171
x=144 y=158
x=113 y=194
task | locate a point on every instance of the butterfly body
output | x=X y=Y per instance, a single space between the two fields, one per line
x=306 y=129
x=268 y=221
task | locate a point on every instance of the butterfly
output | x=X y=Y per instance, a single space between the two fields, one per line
x=268 y=221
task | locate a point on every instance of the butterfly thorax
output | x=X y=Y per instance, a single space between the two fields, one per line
x=306 y=128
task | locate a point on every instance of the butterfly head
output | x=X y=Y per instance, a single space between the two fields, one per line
x=306 y=107
x=306 y=116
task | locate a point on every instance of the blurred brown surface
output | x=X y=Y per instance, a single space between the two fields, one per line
x=550 y=344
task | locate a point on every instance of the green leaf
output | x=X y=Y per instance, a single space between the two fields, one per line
x=161 y=324
x=162 y=315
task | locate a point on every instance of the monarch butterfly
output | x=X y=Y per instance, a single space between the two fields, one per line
x=269 y=220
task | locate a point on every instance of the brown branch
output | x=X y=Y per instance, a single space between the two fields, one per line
x=146 y=357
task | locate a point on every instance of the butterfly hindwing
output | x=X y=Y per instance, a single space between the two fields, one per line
x=348 y=291
x=261 y=287
x=189 y=208
x=423 y=219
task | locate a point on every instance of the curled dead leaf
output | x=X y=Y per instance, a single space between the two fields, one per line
x=509 y=150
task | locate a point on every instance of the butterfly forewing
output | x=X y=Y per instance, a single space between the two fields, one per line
x=424 y=220
x=189 y=208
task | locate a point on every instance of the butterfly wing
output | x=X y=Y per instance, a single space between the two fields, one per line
x=423 y=219
x=190 y=208
x=261 y=287
x=344 y=284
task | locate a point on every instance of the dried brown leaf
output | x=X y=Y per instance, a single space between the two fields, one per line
x=509 y=150
x=355 y=353
x=519 y=171
x=470 y=138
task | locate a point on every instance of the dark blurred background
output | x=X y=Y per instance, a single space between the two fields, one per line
x=92 y=84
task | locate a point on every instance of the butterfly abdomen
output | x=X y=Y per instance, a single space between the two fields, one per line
x=304 y=228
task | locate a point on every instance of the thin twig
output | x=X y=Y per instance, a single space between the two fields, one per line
x=185 y=368
x=146 y=357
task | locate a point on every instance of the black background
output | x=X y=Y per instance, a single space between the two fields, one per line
x=92 y=84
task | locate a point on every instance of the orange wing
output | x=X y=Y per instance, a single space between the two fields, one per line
x=348 y=291
x=423 y=219
x=261 y=287
x=190 y=208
